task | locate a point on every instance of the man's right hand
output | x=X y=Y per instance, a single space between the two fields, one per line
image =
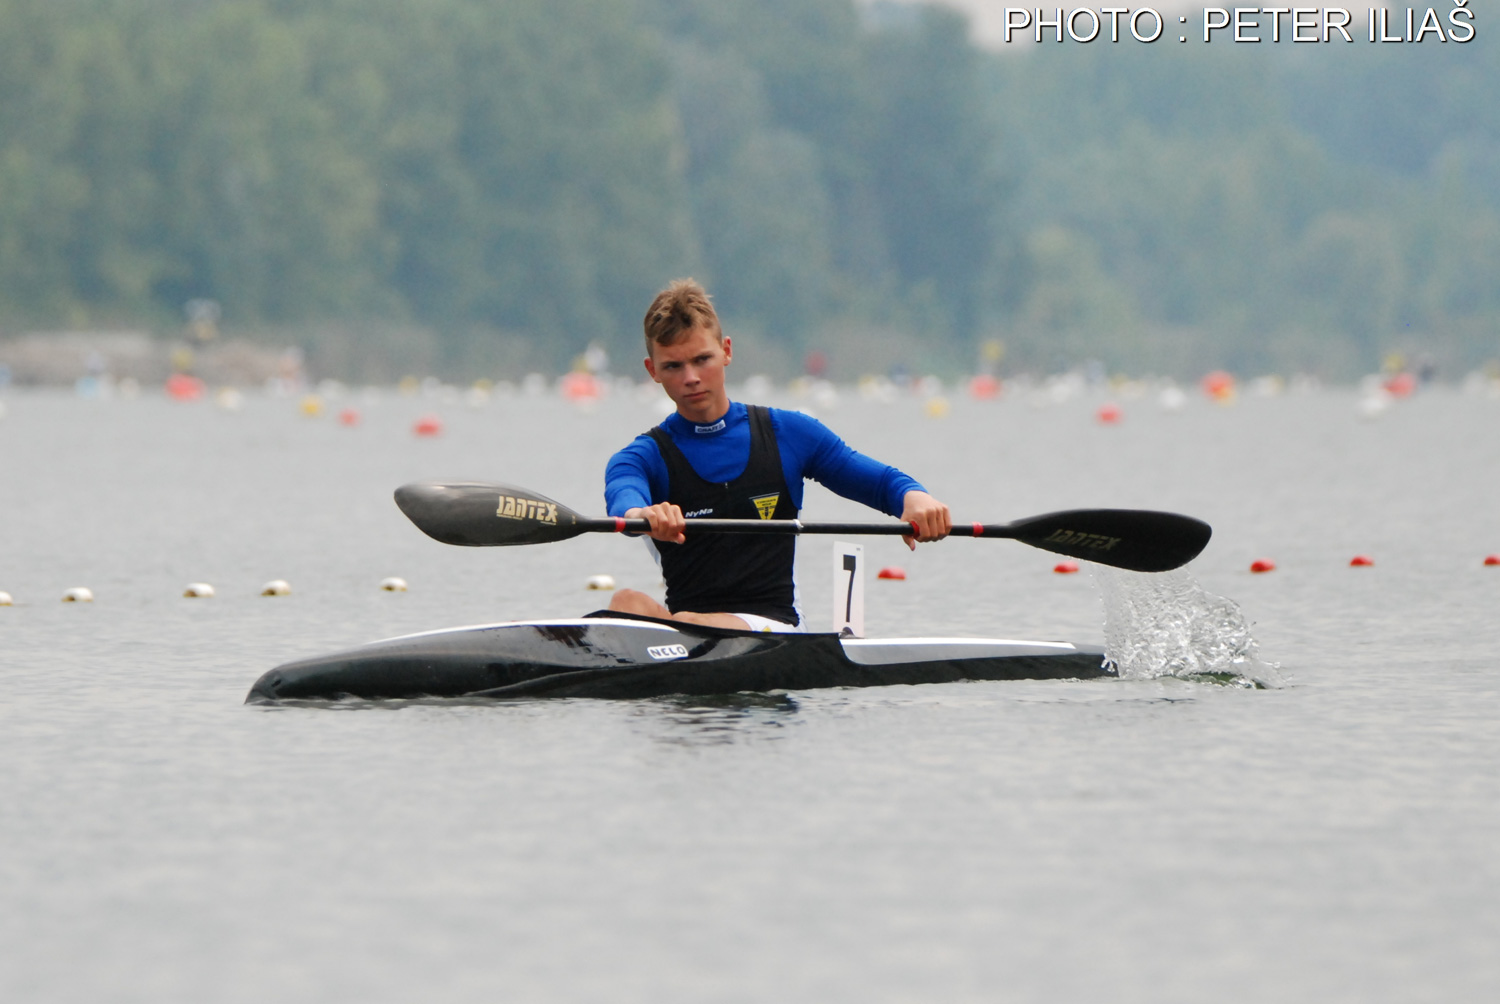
x=666 y=519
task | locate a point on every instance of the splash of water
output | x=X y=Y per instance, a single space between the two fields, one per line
x=1165 y=624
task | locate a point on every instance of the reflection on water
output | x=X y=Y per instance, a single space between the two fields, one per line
x=1165 y=624
x=719 y=720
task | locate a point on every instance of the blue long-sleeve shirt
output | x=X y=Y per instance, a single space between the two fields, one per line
x=636 y=476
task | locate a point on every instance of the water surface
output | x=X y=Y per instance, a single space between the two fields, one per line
x=1139 y=840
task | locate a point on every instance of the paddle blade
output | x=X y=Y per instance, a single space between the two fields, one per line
x=1140 y=540
x=485 y=514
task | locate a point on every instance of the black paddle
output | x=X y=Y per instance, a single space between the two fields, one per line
x=481 y=514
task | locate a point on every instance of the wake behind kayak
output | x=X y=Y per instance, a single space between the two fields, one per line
x=620 y=656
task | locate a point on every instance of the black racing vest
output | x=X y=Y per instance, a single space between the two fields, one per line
x=730 y=572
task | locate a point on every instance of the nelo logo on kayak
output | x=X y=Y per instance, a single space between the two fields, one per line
x=1091 y=541
x=514 y=507
x=663 y=652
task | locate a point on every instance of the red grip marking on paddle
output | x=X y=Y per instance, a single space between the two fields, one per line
x=979 y=529
x=916 y=531
x=619 y=524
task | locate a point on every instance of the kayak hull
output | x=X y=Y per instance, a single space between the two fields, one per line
x=632 y=657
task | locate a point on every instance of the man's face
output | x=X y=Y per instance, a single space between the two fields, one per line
x=691 y=371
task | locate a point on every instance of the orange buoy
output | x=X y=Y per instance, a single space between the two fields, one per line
x=1493 y=559
x=580 y=386
x=428 y=425
x=1220 y=386
x=1109 y=414
x=1065 y=567
x=349 y=416
x=984 y=387
x=1361 y=561
x=184 y=387
x=1401 y=385
x=891 y=572
x=1262 y=565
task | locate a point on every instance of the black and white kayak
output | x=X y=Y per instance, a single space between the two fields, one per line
x=607 y=655
x=612 y=655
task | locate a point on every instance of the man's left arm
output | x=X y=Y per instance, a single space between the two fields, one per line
x=831 y=462
x=931 y=517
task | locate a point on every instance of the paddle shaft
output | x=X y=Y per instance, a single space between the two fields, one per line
x=791 y=526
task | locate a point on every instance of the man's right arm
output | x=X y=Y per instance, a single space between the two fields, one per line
x=666 y=519
x=632 y=479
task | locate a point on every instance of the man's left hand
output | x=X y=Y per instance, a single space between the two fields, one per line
x=931 y=517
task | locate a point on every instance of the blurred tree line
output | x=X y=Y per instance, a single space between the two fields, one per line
x=1269 y=209
x=848 y=176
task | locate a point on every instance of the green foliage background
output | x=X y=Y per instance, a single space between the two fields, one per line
x=510 y=181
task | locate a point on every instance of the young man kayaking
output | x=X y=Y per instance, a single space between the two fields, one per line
x=717 y=458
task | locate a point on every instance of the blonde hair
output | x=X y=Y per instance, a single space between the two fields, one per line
x=681 y=307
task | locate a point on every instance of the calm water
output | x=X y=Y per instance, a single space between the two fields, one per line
x=1333 y=839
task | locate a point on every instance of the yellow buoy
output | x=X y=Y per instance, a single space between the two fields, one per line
x=312 y=406
x=78 y=594
x=937 y=407
x=200 y=590
x=276 y=587
x=393 y=585
x=601 y=582
x=6 y=601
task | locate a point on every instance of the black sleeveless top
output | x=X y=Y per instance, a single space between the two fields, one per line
x=730 y=572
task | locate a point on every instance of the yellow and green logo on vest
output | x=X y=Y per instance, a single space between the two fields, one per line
x=766 y=504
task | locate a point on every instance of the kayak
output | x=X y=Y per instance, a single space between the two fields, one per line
x=610 y=655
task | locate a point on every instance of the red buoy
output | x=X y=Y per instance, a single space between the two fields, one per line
x=428 y=425
x=580 y=386
x=1065 y=567
x=1109 y=414
x=1262 y=565
x=1493 y=559
x=349 y=416
x=1220 y=386
x=184 y=387
x=1361 y=561
x=1401 y=385
x=891 y=572
x=984 y=387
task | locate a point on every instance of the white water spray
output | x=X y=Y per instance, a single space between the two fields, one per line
x=1165 y=624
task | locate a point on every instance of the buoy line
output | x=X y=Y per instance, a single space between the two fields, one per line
x=604 y=582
